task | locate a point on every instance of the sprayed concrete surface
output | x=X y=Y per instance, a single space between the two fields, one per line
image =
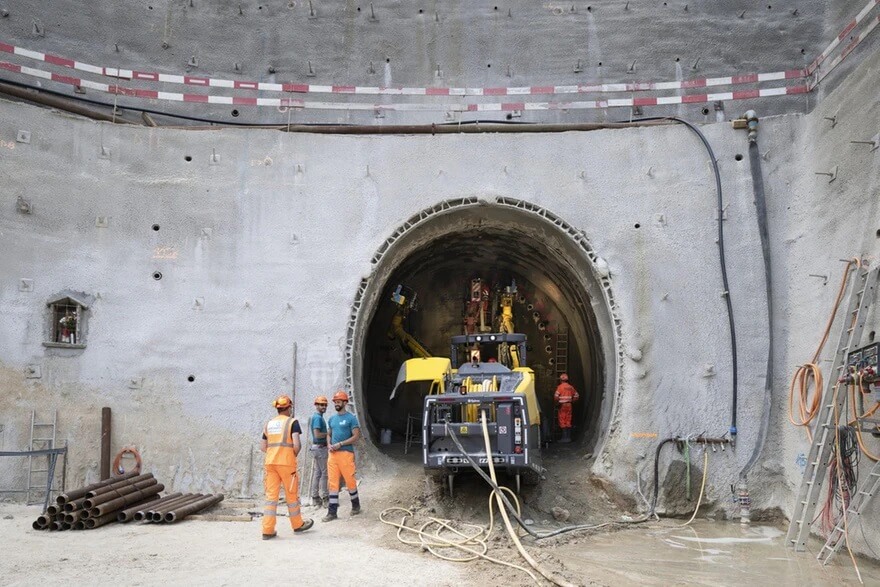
x=436 y=43
x=267 y=244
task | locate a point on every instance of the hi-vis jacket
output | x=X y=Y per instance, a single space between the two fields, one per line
x=566 y=393
x=279 y=439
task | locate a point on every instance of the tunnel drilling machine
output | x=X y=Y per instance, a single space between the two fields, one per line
x=464 y=386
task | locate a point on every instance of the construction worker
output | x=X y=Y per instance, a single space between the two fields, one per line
x=565 y=395
x=281 y=444
x=343 y=432
x=318 y=428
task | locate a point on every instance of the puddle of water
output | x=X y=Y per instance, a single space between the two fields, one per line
x=707 y=553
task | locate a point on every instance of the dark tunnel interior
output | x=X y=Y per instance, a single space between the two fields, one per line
x=549 y=307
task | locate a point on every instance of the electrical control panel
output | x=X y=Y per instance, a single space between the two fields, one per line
x=864 y=362
x=864 y=357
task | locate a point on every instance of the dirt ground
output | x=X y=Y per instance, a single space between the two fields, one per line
x=363 y=551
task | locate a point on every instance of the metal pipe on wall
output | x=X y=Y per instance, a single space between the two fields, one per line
x=293 y=379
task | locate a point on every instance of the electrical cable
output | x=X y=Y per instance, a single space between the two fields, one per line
x=726 y=292
x=846 y=461
x=557 y=580
x=840 y=484
x=809 y=406
x=132 y=108
x=857 y=380
x=514 y=510
x=432 y=541
x=660 y=446
x=702 y=486
x=317 y=126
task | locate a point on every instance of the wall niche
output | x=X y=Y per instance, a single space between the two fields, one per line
x=67 y=320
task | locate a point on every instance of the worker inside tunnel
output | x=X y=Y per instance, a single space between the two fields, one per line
x=475 y=271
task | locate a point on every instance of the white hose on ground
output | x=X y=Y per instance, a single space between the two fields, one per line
x=702 y=486
x=555 y=579
x=430 y=541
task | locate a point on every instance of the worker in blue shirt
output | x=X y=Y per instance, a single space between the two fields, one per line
x=318 y=448
x=344 y=430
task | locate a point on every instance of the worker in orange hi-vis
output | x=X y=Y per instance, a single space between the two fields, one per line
x=565 y=395
x=281 y=444
x=343 y=431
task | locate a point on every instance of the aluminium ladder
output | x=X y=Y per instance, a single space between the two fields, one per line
x=42 y=438
x=561 y=354
x=861 y=297
x=860 y=500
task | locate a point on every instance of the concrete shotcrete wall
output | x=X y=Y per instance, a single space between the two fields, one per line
x=815 y=223
x=266 y=249
x=264 y=237
x=433 y=44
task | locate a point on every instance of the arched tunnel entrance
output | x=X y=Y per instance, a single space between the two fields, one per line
x=559 y=305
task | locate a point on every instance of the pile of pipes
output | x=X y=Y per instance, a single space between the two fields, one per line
x=128 y=497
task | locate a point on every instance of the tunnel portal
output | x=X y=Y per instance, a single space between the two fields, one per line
x=436 y=262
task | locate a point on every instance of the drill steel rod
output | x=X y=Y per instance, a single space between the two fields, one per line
x=159 y=514
x=128 y=515
x=125 y=501
x=179 y=514
x=117 y=484
x=82 y=491
x=93 y=502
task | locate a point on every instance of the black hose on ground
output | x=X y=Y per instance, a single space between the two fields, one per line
x=657 y=473
x=761 y=212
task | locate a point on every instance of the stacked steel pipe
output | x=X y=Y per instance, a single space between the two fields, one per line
x=174 y=507
x=130 y=496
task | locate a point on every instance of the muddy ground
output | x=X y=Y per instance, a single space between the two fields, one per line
x=364 y=551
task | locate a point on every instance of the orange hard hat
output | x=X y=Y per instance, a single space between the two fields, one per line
x=282 y=401
x=321 y=400
x=340 y=396
x=563 y=377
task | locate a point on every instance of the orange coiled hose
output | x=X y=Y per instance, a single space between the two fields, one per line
x=809 y=404
x=118 y=469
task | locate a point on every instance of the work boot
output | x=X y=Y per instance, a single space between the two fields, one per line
x=270 y=536
x=355 y=509
x=325 y=501
x=566 y=436
x=316 y=500
x=329 y=517
x=306 y=525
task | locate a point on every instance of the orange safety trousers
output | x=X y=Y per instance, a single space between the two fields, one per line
x=275 y=477
x=340 y=464
x=565 y=415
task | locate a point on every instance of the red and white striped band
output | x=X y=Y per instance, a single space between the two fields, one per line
x=427 y=107
x=846 y=51
x=841 y=36
x=209 y=82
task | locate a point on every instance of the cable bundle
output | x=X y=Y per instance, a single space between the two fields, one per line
x=847 y=463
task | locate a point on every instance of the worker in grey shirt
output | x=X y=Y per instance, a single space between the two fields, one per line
x=318 y=427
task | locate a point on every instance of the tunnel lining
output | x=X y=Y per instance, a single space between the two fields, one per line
x=405 y=241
